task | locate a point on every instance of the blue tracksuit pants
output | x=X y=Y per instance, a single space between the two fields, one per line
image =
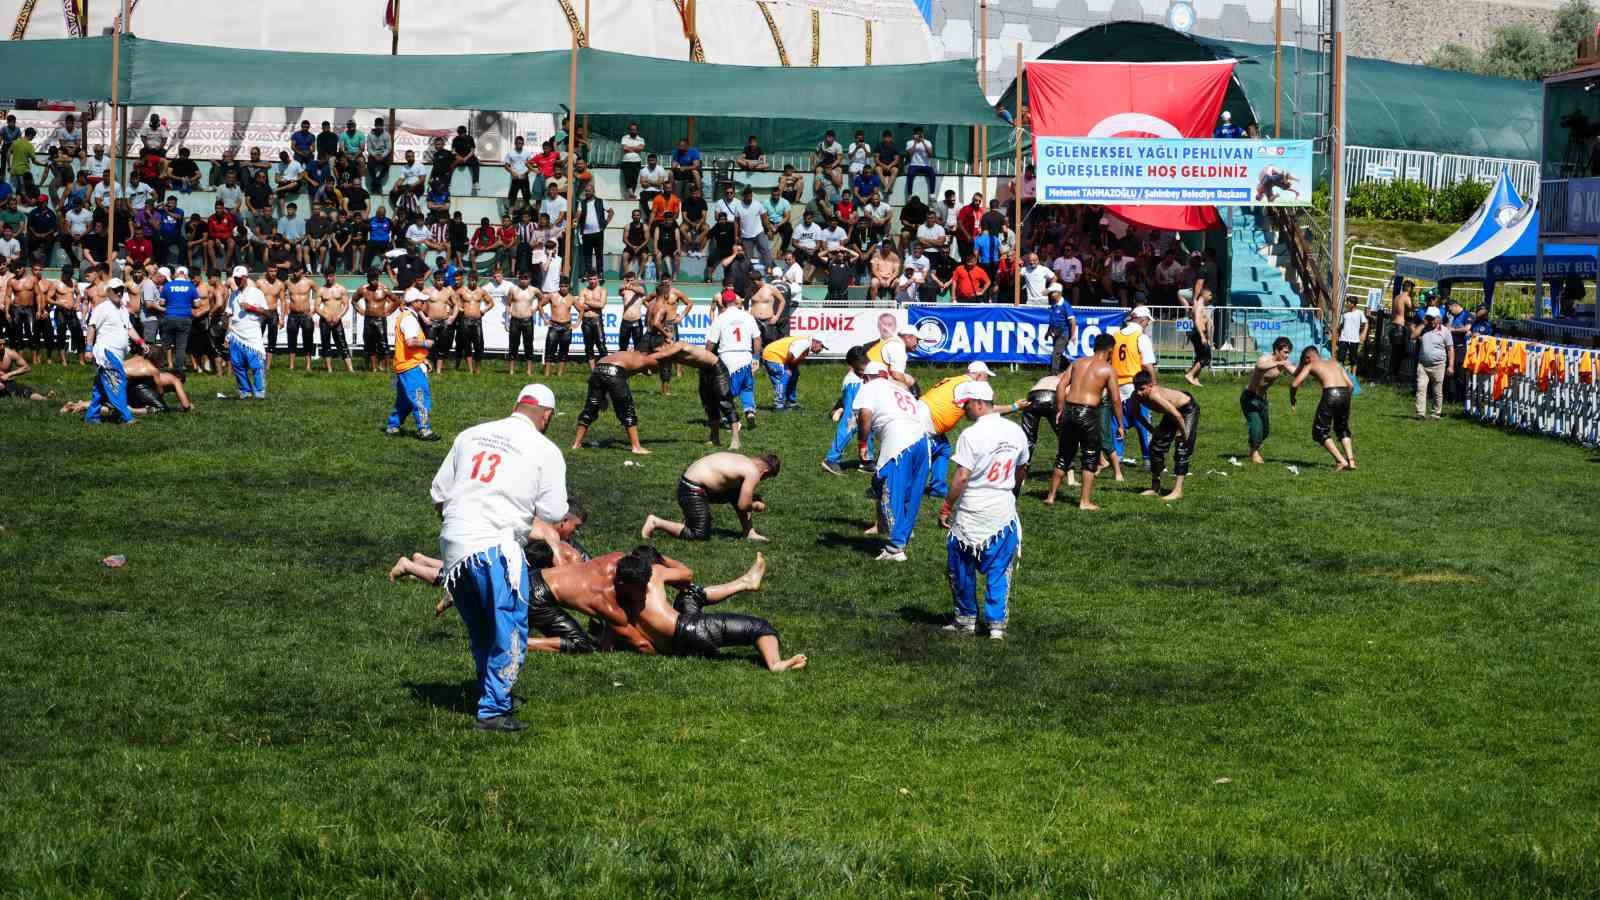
x=995 y=563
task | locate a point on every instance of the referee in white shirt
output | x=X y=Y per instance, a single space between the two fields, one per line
x=499 y=478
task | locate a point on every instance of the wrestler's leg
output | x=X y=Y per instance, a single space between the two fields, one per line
x=749 y=581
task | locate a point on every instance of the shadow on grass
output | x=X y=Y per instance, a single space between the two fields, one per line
x=459 y=697
x=859 y=543
x=918 y=616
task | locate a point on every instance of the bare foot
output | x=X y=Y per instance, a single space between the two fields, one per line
x=734 y=444
x=1149 y=493
x=793 y=663
x=1120 y=478
x=1352 y=464
x=754 y=535
x=1049 y=501
x=398 y=570
x=1072 y=481
x=577 y=446
x=1175 y=495
x=752 y=578
x=444 y=603
x=1088 y=506
x=640 y=451
x=649 y=527
x=872 y=530
x=1341 y=467
x=1192 y=380
x=1255 y=457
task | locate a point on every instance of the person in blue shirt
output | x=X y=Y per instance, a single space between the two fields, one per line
x=178 y=295
x=685 y=167
x=1063 y=330
x=1227 y=130
x=1459 y=321
x=170 y=233
x=304 y=143
x=1480 y=322
x=987 y=246
x=380 y=234
x=867 y=183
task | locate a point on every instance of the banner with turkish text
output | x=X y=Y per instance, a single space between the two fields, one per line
x=997 y=333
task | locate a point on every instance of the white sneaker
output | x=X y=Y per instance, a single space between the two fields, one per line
x=964 y=625
x=892 y=556
x=997 y=634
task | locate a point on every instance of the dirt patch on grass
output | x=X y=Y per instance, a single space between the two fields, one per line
x=1426 y=577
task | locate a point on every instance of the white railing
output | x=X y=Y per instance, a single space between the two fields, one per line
x=1436 y=170
x=1369 y=267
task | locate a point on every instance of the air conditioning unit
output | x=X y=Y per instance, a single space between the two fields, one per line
x=492 y=130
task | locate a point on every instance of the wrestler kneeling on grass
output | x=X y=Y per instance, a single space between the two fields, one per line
x=683 y=628
x=717 y=478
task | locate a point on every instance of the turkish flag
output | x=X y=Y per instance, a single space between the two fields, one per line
x=1132 y=100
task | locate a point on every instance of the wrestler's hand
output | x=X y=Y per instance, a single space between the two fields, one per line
x=444 y=603
x=759 y=506
x=838 y=414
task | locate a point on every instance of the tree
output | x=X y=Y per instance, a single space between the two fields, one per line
x=1523 y=51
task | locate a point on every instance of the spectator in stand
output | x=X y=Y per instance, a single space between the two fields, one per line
x=653 y=179
x=994 y=219
x=752 y=159
x=155 y=137
x=255 y=164
x=636 y=243
x=138 y=249
x=866 y=183
x=21 y=157
x=319 y=239
x=352 y=145
x=685 y=166
x=417 y=235
x=292 y=228
x=808 y=243
x=327 y=142
x=913 y=214
x=694 y=227
x=752 y=221
x=544 y=169
x=10 y=250
x=829 y=162
x=593 y=219
x=527 y=232
x=258 y=201
x=485 y=245
x=441 y=162
x=970 y=282
x=220 y=246
x=545 y=234
x=44 y=231
x=380 y=237
x=1037 y=281
x=379 y=156
x=464 y=151
x=919 y=163
x=581 y=177
x=935 y=242
x=353 y=197
x=77 y=223
x=519 y=166
x=875 y=216
x=776 y=209
x=346 y=237
x=96 y=164
x=986 y=247
x=439 y=197
x=505 y=257
x=791 y=184
x=664 y=237
x=723 y=239
x=9 y=133
x=67 y=138
x=632 y=145
x=320 y=182
x=230 y=193
x=858 y=158
x=1169 y=274
x=303 y=143
x=1226 y=130
x=288 y=177
x=967 y=224
x=554 y=206
x=1030 y=189
x=413 y=181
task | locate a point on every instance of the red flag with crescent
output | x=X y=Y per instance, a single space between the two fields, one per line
x=1132 y=100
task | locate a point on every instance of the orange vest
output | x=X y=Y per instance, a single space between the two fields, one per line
x=941 y=400
x=407 y=357
x=1586 y=368
x=1125 y=360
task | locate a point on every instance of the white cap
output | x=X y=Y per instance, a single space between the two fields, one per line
x=974 y=390
x=114 y=283
x=1054 y=289
x=874 y=369
x=537 y=395
x=241 y=272
x=183 y=272
x=1227 y=116
x=1140 y=312
x=906 y=329
x=164 y=272
x=413 y=295
x=979 y=368
x=1431 y=312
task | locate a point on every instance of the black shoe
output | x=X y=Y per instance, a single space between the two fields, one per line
x=430 y=437
x=869 y=467
x=750 y=420
x=832 y=468
x=504 y=724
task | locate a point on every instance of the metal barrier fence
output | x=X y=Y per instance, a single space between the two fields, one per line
x=1369 y=268
x=1436 y=170
x=1240 y=334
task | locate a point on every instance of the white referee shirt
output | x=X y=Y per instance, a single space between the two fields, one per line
x=497 y=479
x=993 y=450
x=734 y=331
x=896 y=421
x=110 y=324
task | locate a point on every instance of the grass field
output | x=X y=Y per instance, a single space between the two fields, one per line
x=1380 y=682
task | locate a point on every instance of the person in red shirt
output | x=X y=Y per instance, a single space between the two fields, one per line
x=220 y=245
x=544 y=162
x=485 y=240
x=967 y=224
x=138 y=249
x=845 y=209
x=969 y=283
x=506 y=249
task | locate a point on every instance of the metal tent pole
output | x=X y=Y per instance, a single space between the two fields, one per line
x=1016 y=193
x=111 y=171
x=1336 y=159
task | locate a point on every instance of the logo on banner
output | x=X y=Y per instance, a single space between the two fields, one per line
x=931 y=334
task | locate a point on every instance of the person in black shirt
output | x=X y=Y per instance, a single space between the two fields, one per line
x=694 y=226
x=739 y=271
x=722 y=244
x=44 y=229
x=258 y=200
x=319 y=239
x=184 y=175
x=840 y=273
x=460 y=239
x=347 y=235
x=465 y=151
x=327 y=141
x=220 y=170
x=635 y=243
x=993 y=221
x=913 y=214
x=356 y=198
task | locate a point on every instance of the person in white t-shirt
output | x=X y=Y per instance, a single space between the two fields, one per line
x=919 y=162
x=110 y=333
x=1352 y=334
x=896 y=352
x=889 y=414
x=247 y=346
x=518 y=159
x=632 y=160
x=991 y=465
x=735 y=337
x=498 y=480
x=1036 y=281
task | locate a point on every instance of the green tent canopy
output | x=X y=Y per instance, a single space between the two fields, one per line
x=783 y=106
x=1389 y=105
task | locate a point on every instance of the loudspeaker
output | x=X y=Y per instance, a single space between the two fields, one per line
x=491 y=129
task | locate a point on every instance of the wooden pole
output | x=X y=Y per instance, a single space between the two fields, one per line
x=1336 y=200
x=588 y=38
x=111 y=171
x=1016 y=193
x=572 y=147
x=1277 y=69
x=394 y=119
x=983 y=84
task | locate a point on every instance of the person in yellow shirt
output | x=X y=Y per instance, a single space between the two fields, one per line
x=943 y=414
x=782 y=359
x=411 y=394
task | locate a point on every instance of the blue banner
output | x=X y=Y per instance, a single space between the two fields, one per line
x=1000 y=333
x=1174 y=172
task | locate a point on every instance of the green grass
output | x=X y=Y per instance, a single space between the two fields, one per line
x=1329 y=685
x=1398 y=235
